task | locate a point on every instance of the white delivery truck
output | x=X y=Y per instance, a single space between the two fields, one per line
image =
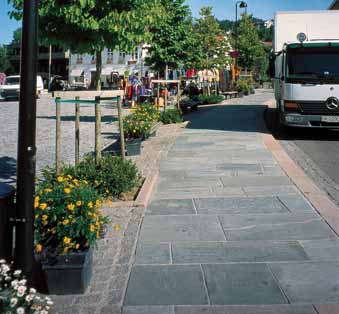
x=305 y=67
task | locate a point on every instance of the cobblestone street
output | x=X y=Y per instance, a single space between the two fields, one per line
x=46 y=133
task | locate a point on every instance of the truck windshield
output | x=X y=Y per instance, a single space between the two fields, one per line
x=312 y=64
x=12 y=80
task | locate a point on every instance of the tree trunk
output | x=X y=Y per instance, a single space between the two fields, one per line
x=98 y=70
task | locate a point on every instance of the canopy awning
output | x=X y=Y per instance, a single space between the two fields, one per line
x=77 y=71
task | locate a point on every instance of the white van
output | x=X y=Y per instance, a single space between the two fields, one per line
x=11 y=87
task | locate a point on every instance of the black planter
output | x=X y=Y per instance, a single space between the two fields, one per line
x=69 y=274
x=133 y=147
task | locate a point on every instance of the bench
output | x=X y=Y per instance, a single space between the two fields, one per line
x=230 y=94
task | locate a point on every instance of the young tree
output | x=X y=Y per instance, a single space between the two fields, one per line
x=174 y=41
x=88 y=26
x=248 y=43
x=5 y=65
x=208 y=30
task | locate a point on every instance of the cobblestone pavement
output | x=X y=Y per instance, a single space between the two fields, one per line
x=227 y=231
x=46 y=133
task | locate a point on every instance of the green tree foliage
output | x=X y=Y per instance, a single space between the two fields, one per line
x=88 y=26
x=248 y=43
x=174 y=42
x=5 y=65
x=17 y=36
x=208 y=30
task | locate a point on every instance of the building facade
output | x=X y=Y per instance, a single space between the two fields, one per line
x=59 y=61
x=82 y=67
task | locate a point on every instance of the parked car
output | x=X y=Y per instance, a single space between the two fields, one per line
x=58 y=83
x=11 y=88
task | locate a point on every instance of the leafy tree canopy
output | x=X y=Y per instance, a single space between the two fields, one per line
x=5 y=65
x=174 y=42
x=248 y=43
x=208 y=30
x=88 y=26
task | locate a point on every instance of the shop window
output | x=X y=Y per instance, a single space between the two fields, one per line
x=79 y=59
x=110 y=53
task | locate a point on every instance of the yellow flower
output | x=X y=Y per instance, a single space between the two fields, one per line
x=90 y=204
x=60 y=179
x=77 y=246
x=65 y=250
x=36 y=216
x=85 y=182
x=92 y=228
x=74 y=221
x=97 y=203
x=65 y=222
x=37 y=199
x=36 y=204
x=67 y=240
x=44 y=217
x=69 y=177
x=67 y=190
x=96 y=182
x=78 y=203
x=70 y=207
x=43 y=206
x=48 y=190
x=98 y=235
x=90 y=214
x=38 y=248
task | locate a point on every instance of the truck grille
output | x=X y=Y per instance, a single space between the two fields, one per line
x=316 y=108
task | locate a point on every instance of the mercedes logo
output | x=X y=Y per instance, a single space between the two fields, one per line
x=332 y=103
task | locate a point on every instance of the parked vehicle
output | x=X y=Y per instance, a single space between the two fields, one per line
x=11 y=88
x=305 y=68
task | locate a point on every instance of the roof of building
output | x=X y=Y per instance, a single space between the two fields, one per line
x=334 y=5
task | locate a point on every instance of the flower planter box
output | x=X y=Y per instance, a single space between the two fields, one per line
x=133 y=147
x=69 y=274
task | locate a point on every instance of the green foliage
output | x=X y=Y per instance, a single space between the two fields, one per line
x=5 y=65
x=173 y=41
x=211 y=99
x=251 y=49
x=17 y=36
x=171 y=116
x=245 y=85
x=208 y=30
x=88 y=26
x=110 y=178
x=67 y=216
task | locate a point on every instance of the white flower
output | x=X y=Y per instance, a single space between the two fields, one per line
x=20 y=310
x=32 y=290
x=15 y=283
x=29 y=298
x=17 y=273
x=13 y=302
x=49 y=302
x=22 y=289
x=23 y=282
x=20 y=294
x=44 y=312
x=4 y=268
x=2 y=261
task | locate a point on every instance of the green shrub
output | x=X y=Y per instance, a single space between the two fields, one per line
x=136 y=127
x=245 y=86
x=110 y=178
x=148 y=112
x=212 y=99
x=67 y=216
x=171 y=116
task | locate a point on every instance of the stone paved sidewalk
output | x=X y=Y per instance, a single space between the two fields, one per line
x=227 y=231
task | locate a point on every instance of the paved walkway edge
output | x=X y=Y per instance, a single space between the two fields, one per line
x=319 y=199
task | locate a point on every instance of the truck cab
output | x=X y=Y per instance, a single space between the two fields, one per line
x=306 y=76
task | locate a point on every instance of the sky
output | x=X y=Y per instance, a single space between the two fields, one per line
x=222 y=9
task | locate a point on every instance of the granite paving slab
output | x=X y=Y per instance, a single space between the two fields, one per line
x=246 y=309
x=256 y=181
x=316 y=282
x=238 y=251
x=306 y=226
x=153 y=253
x=240 y=205
x=171 y=207
x=325 y=250
x=181 y=228
x=166 y=285
x=296 y=203
x=242 y=284
x=148 y=309
x=256 y=191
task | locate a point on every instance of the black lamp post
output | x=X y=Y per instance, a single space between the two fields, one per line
x=24 y=219
x=242 y=5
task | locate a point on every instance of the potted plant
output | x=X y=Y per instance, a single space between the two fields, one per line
x=67 y=225
x=149 y=113
x=16 y=296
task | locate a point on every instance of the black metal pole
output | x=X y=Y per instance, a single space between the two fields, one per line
x=26 y=141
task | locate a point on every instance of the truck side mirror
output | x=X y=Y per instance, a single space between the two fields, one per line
x=271 y=67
